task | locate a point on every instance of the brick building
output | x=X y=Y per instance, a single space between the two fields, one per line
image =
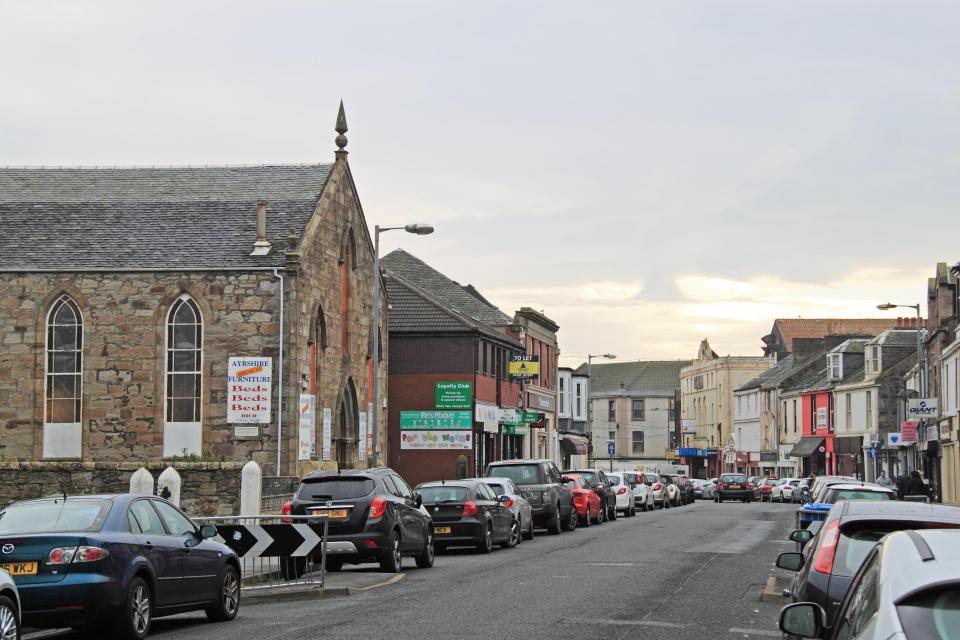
x=442 y=333
x=125 y=291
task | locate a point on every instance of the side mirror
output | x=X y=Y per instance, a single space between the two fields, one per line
x=791 y=561
x=802 y=619
x=418 y=499
x=208 y=531
x=803 y=536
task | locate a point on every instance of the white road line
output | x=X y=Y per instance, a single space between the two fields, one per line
x=756 y=632
x=629 y=623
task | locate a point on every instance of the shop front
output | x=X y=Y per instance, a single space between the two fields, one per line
x=811 y=451
x=701 y=462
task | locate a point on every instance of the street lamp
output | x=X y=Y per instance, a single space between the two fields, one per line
x=921 y=356
x=590 y=357
x=416 y=229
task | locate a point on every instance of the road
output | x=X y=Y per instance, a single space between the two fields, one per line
x=687 y=573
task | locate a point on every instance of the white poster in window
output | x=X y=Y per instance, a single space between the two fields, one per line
x=327 y=418
x=249 y=389
x=307 y=428
x=821 y=417
x=362 y=436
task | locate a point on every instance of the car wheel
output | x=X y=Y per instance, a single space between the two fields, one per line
x=586 y=521
x=514 y=538
x=228 y=597
x=425 y=559
x=392 y=560
x=134 y=623
x=486 y=542
x=632 y=511
x=612 y=512
x=571 y=521
x=554 y=527
x=529 y=535
x=9 y=623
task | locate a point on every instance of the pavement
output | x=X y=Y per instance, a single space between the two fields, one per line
x=690 y=573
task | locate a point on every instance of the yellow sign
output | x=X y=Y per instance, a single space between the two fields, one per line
x=670 y=454
x=525 y=367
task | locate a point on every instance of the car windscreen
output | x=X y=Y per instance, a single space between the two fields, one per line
x=590 y=477
x=569 y=482
x=650 y=478
x=335 y=488
x=519 y=473
x=933 y=614
x=615 y=481
x=732 y=477
x=54 y=516
x=836 y=495
x=444 y=494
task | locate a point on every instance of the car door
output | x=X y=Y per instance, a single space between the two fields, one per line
x=562 y=492
x=501 y=514
x=412 y=528
x=201 y=562
x=163 y=552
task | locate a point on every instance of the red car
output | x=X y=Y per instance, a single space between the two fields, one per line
x=585 y=499
x=765 y=487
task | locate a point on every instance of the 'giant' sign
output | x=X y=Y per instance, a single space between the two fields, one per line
x=920 y=408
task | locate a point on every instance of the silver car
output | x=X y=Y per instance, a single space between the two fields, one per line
x=9 y=608
x=519 y=505
x=908 y=587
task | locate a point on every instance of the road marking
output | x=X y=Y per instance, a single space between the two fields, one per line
x=629 y=623
x=609 y=564
x=756 y=632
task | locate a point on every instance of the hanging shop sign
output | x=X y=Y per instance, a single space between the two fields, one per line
x=537 y=401
x=908 y=431
x=435 y=421
x=435 y=440
x=525 y=367
x=921 y=408
x=688 y=426
x=516 y=430
x=487 y=413
x=454 y=395
x=249 y=389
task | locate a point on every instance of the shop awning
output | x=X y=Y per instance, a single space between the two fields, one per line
x=852 y=445
x=573 y=446
x=805 y=447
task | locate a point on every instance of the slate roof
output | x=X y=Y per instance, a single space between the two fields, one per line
x=792 y=328
x=183 y=218
x=417 y=272
x=644 y=377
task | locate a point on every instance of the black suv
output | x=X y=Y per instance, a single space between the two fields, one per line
x=541 y=485
x=374 y=517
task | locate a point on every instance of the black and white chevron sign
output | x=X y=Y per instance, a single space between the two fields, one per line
x=272 y=540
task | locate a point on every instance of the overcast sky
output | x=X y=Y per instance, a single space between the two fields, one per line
x=646 y=173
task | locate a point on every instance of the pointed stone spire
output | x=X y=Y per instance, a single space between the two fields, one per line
x=341 y=129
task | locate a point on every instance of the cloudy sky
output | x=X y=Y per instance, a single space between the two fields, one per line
x=647 y=173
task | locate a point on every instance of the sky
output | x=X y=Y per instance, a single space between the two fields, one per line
x=648 y=174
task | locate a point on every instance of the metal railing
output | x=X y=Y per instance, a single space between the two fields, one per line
x=276 y=551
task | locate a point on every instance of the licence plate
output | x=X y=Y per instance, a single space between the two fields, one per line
x=20 y=568
x=734 y=486
x=333 y=514
x=443 y=530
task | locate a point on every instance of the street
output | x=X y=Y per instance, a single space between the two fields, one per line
x=687 y=573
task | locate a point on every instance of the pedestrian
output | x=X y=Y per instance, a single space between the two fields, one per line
x=884 y=481
x=915 y=486
x=901 y=486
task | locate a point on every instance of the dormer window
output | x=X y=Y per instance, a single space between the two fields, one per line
x=835 y=364
x=873 y=357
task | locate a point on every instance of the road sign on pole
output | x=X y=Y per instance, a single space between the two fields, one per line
x=611 y=448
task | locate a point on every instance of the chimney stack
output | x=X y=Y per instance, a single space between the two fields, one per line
x=262 y=246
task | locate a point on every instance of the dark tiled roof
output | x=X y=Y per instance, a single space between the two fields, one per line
x=791 y=328
x=651 y=377
x=152 y=218
x=423 y=276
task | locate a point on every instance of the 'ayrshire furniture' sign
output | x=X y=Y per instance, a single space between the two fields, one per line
x=249 y=389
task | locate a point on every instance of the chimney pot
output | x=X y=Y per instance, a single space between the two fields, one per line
x=262 y=246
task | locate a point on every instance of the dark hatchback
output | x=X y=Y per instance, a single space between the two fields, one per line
x=828 y=564
x=468 y=513
x=374 y=517
x=542 y=486
x=114 y=561
x=601 y=484
x=734 y=486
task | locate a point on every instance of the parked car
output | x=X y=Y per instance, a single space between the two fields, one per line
x=642 y=492
x=469 y=513
x=659 y=490
x=708 y=489
x=828 y=563
x=585 y=499
x=601 y=484
x=907 y=587
x=9 y=606
x=687 y=490
x=114 y=562
x=734 y=486
x=783 y=492
x=674 y=494
x=539 y=482
x=754 y=482
x=833 y=493
x=624 y=492
x=811 y=491
x=519 y=505
x=765 y=488
x=374 y=517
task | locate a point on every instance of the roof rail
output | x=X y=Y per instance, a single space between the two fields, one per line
x=926 y=554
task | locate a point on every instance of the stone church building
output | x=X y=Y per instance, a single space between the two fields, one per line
x=126 y=292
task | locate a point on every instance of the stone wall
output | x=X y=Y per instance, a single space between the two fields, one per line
x=208 y=489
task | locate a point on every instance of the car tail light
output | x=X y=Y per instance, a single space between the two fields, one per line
x=285 y=511
x=621 y=491
x=377 y=507
x=508 y=503
x=720 y=486
x=469 y=508
x=658 y=486
x=66 y=555
x=828 y=549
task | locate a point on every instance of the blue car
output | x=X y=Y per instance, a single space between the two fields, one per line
x=114 y=561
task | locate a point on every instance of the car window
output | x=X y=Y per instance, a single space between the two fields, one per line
x=862 y=603
x=147 y=517
x=512 y=488
x=54 y=516
x=498 y=488
x=933 y=614
x=487 y=492
x=444 y=493
x=402 y=486
x=650 y=478
x=391 y=487
x=132 y=525
x=570 y=483
x=836 y=495
x=177 y=523
x=335 y=488
x=519 y=473
x=613 y=481
x=553 y=472
x=590 y=477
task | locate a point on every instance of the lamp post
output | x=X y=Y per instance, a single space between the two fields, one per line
x=921 y=355
x=417 y=229
x=590 y=357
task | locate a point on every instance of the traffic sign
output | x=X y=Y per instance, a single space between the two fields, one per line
x=611 y=449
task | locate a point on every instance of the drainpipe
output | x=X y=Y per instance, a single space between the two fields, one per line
x=276 y=274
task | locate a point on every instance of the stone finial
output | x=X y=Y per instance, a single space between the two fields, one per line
x=341 y=129
x=292 y=239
